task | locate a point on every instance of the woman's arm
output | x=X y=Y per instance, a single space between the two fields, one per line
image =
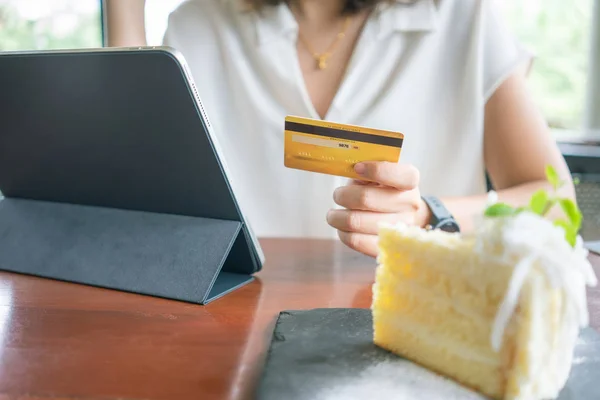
x=517 y=147
x=125 y=22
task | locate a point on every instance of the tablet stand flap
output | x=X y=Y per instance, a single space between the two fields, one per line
x=163 y=255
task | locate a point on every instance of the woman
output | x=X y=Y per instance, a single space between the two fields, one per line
x=446 y=73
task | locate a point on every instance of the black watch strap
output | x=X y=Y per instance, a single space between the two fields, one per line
x=440 y=216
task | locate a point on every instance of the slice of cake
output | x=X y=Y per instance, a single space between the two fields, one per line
x=499 y=311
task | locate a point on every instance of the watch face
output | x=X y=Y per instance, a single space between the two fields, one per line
x=448 y=226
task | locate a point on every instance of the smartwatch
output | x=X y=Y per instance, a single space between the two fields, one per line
x=440 y=216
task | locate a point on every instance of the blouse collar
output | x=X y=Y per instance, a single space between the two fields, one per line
x=276 y=22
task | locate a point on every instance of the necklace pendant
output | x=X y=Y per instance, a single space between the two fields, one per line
x=322 y=62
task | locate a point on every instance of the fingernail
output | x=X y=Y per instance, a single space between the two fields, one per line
x=335 y=194
x=360 y=168
x=328 y=217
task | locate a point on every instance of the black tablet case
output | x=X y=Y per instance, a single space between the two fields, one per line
x=328 y=354
x=111 y=179
x=178 y=257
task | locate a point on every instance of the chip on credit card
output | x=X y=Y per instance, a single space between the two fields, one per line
x=333 y=148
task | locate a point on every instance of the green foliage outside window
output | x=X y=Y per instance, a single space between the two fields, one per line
x=558 y=32
x=64 y=27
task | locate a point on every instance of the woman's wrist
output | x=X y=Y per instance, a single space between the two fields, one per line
x=439 y=216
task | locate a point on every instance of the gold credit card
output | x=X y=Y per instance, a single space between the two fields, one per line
x=333 y=148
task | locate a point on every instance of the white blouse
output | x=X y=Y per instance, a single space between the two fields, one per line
x=426 y=70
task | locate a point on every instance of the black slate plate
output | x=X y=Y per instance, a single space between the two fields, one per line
x=328 y=354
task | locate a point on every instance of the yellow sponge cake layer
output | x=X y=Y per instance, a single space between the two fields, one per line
x=498 y=312
x=433 y=304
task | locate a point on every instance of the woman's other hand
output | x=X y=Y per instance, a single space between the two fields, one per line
x=390 y=193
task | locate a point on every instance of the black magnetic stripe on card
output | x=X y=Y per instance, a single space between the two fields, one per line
x=343 y=134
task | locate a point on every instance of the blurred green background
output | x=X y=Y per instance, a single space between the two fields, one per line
x=49 y=24
x=558 y=32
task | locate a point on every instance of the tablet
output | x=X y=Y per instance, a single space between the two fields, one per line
x=113 y=127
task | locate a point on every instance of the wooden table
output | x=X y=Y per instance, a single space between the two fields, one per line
x=67 y=341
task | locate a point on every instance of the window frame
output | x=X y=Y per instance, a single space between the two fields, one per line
x=103 y=23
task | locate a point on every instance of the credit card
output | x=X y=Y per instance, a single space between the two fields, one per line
x=333 y=148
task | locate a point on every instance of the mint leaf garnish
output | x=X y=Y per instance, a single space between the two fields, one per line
x=570 y=231
x=572 y=212
x=538 y=202
x=552 y=177
x=499 y=210
x=542 y=202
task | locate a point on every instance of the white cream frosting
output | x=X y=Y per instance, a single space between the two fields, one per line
x=528 y=240
x=533 y=243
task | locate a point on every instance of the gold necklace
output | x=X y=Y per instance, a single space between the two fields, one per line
x=322 y=58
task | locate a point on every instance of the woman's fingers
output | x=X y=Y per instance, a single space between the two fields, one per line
x=366 y=222
x=399 y=176
x=375 y=198
x=363 y=243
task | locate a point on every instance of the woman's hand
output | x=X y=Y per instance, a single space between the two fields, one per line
x=392 y=197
